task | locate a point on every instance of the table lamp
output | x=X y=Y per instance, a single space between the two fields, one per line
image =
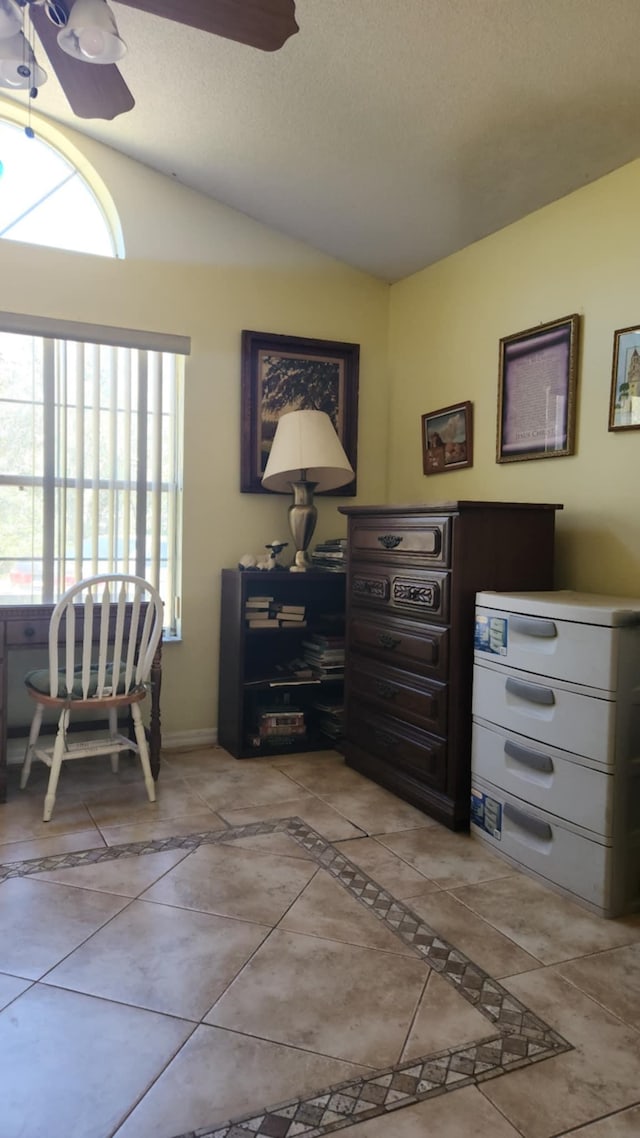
x=306 y=455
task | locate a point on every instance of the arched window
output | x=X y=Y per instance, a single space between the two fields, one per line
x=45 y=199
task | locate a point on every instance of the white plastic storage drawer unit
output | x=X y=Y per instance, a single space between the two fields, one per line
x=556 y=740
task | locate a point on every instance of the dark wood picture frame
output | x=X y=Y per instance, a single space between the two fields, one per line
x=624 y=401
x=292 y=373
x=447 y=438
x=537 y=385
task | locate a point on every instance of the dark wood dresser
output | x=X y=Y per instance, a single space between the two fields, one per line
x=413 y=573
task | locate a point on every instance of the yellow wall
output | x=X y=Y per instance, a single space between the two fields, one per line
x=580 y=254
x=196 y=268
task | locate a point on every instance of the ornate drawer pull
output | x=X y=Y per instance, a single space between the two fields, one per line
x=384 y=689
x=386 y=640
x=427 y=595
x=29 y=631
x=389 y=540
x=370 y=587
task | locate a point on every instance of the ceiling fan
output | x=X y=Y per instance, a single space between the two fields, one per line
x=77 y=35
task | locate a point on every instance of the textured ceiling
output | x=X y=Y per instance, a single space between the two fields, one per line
x=386 y=133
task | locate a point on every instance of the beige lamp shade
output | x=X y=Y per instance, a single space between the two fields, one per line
x=306 y=447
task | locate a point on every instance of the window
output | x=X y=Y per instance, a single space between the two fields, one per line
x=46 y=200
x=90 y=457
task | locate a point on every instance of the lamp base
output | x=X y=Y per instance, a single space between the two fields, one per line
x=301 y=562
x=302 y=522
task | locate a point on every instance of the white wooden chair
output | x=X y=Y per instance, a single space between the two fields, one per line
x=103 y=636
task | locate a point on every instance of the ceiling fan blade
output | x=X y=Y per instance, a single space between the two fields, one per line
x=94 y=91
x=265 y=24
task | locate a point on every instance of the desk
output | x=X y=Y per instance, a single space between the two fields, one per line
x=27 y=626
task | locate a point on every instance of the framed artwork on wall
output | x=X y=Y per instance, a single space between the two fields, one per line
x=447 y=438
x=295 y=373
x=624 y=402
x=538 y=376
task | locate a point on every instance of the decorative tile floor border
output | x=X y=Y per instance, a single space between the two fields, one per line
x=520 y=1037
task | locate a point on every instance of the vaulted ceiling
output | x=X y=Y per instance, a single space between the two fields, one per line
x=386 y=133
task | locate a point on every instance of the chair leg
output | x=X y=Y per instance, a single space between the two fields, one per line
x=113 y=731
x=56 y=763
x=143 y=751
x=36 y=724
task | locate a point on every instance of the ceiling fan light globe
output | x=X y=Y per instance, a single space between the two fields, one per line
x=91 y=33
x=10 y=19
x=18 y=67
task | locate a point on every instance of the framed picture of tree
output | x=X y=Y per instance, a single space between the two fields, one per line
x=294 y=373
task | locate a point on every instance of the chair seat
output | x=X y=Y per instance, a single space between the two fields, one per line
x=121 y=628
x=39 y=681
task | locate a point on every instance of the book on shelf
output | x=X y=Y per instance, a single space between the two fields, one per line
x=324 y=656
x=325 y=639
x=280 y=740
x=296 y=667
x=258 y=602
x=272 y=717
x=332 y=543
x=291 y=610
x=263 y=622
x=328 y=566
x=292 y=618
x=282 y=729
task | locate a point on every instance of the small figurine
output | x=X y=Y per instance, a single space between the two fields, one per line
x=271 y=560
x=247 y=561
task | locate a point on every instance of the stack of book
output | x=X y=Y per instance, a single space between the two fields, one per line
x=289 y=616
x=266 y=612
x=279 y=725
x=296 y=669
x=330 y=718
x=257 y=611
x=325 y=655
x=330 y=554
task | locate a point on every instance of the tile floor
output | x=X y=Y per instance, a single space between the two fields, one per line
x=282 y=948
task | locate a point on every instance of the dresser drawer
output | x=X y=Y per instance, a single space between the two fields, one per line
x=546 y=710
x=402 y=643
x=544 y=776
x=421 y=594
x=400 y=746
x=394 y=692
x=568 y=650
x=563 y=854
x=423 y=541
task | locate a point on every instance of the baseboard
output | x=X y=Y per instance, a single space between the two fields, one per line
x=189 y=740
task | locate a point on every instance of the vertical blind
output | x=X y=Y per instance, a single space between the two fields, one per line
x=90 y=458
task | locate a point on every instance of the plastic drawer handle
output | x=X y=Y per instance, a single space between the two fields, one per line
x=534 y=826
x=531 y=692
x=533 y=759
x=529 y=627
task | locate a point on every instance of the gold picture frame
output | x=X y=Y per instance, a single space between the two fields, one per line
x=624 y=401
